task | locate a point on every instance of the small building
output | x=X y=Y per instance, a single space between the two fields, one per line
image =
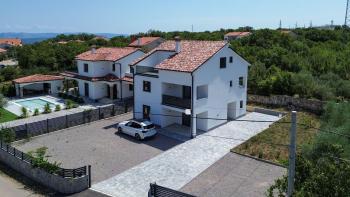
x=104 y=73
x=38 y=84
x=6 y=63
x=10 y=42
x=146 y=43
x=2 y=51
x=236 y=35
x=194 y=84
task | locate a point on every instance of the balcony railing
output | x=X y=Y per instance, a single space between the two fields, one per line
x=177 y=102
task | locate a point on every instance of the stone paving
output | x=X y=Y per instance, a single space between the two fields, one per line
x=178 y=166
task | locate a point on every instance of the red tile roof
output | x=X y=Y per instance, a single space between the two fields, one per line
x=37 y=78
x=127 y=79
x=107 y=78
x=11 y=41
x=143 y=41
x=106 y=54
x=193 y=54
x=238 y=33
x=2 y=50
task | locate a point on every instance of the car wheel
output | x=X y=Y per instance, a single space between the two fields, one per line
x=120 y=130
x=137 y=136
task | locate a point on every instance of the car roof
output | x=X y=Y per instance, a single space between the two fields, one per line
x=143 y=122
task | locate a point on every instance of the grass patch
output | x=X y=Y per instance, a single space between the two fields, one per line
x=6 y=116
x=278 y=133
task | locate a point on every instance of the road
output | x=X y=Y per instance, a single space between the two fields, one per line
x=12 y=188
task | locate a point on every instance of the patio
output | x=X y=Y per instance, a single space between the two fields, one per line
x=179 y=132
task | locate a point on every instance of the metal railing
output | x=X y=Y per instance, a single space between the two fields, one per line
x=174 y=101
x=160 y=191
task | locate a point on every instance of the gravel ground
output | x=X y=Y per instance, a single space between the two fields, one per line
x=98 y=145
x=235 y=175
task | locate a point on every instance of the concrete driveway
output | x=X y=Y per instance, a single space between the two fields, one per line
x=235 y=175
x=178 y=166
x=98 y=145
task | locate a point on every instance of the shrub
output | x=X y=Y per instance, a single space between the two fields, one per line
x=7 y=135
x=3 y=100
x=39 y=160
x=36 y=112
x=47 y=108
x=24 y=112
x=69 y=104
x=58 y=108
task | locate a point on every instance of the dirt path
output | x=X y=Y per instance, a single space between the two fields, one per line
x=12 y=188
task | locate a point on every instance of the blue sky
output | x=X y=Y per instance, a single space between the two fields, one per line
x=132 y=16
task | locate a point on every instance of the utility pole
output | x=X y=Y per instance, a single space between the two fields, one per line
x=347 y=13
x=292 y=154
x=280 y=26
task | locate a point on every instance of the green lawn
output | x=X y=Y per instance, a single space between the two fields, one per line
x=6 y=116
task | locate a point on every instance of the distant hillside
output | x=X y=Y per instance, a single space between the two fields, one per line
x=30 y=38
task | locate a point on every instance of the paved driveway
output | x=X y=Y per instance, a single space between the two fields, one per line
x=178 y=166
x=97 y=144
x=235 y=175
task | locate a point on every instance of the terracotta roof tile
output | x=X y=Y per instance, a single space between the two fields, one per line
x=143 y=41
x=11 y=41
x=193 y=54
x=127 y=79
x=106 y=54
x=37 y=78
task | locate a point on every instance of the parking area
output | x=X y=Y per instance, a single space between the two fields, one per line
x=97 y=144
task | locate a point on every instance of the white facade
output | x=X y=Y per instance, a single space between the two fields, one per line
x=54 y=87
x=103 y=89
x=220 y=96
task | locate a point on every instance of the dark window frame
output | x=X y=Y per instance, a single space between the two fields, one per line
x=231 y=59
x=146 y=86
x=241 y=81
x=131 y=87
x=113 y=67
x=231 y=83
x=223 y=61
x=241 y=104
x=86 y=67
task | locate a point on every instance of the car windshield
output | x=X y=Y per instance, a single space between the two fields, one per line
x=150 y=126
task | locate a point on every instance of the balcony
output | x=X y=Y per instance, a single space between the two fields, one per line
x=177 y=102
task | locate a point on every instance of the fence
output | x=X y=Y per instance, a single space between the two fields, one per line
x=71 y=120
x=62 y=180
x=160 y=191
x=315 y=106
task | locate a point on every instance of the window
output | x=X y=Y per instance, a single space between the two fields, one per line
x=131 y=69
x=223 y=62
x=136 y=125
x=113 y=67
x=86 y=68
x=231 y=59
x=131 y=87
x=146 y=86
x=241 y=81
x=146 y=111
x=231 y=83
x=202 y=92
x=241 y=104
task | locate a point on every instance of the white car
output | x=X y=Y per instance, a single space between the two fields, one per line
x=138 y=129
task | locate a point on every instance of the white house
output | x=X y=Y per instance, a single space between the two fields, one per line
x=206 y=78
x=105 y=73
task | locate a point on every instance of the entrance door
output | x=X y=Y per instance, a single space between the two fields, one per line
x=186 y=92
x=46 y=88
x=115 y=91
x=231 y=111
x=146 y=112
x=86 y=88
x=186 y=120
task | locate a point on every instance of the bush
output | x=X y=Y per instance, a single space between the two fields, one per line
x=47 y=108
x=69 y=104
x=7 y=135
x=39 y=160
x=58 y=108
x=25 y=113
x=36 y=112
x=3 y=100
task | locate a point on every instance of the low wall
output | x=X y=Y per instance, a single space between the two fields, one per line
x=315 y=106
x=55 y=182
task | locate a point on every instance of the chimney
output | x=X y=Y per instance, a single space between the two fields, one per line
x=138 y=41
x=177 y=44
x=93 y=49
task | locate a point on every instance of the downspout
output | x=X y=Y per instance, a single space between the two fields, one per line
x=192 y=105
x=121 y=82
x=133 y=92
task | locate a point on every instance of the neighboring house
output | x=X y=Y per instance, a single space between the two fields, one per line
x=147 y=43
x=38 y=84
x=6 y=63
x=10 y=42
x=105 y=73
x=236 y=35
x=204 y=78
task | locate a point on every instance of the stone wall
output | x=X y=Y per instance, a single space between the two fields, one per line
x=55 y=182
x=315 y=106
